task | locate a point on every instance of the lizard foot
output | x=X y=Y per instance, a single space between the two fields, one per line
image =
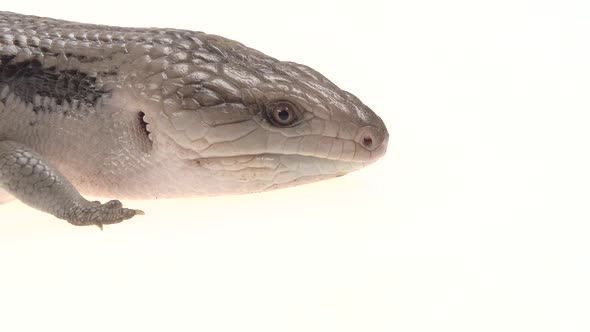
x=95 y=213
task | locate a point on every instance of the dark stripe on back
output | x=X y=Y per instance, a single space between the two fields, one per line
x=28 y=79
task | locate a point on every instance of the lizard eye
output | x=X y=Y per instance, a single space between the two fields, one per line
x=282 y=113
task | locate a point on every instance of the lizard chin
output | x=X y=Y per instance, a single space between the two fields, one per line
x=273 y=171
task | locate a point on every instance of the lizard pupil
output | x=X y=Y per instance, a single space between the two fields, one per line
x=284 y=115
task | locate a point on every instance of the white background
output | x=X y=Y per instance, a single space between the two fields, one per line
x=477 y=219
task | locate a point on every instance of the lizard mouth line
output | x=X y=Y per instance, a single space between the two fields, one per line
x=280 y=163
x=271 y=158
x=358 y=156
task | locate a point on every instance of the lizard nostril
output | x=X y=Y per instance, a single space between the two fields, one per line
x=368 y=142
x=369 y=137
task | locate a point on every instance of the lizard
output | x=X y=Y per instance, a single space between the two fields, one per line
x=149 y=113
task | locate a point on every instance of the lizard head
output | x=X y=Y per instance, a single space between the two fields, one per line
x=254 y=122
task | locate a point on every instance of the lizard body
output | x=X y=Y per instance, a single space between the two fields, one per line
x=158 y=113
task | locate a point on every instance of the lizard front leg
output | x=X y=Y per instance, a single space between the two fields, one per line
x=24 y=175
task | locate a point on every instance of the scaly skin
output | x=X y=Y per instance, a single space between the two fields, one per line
x=158 y=113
